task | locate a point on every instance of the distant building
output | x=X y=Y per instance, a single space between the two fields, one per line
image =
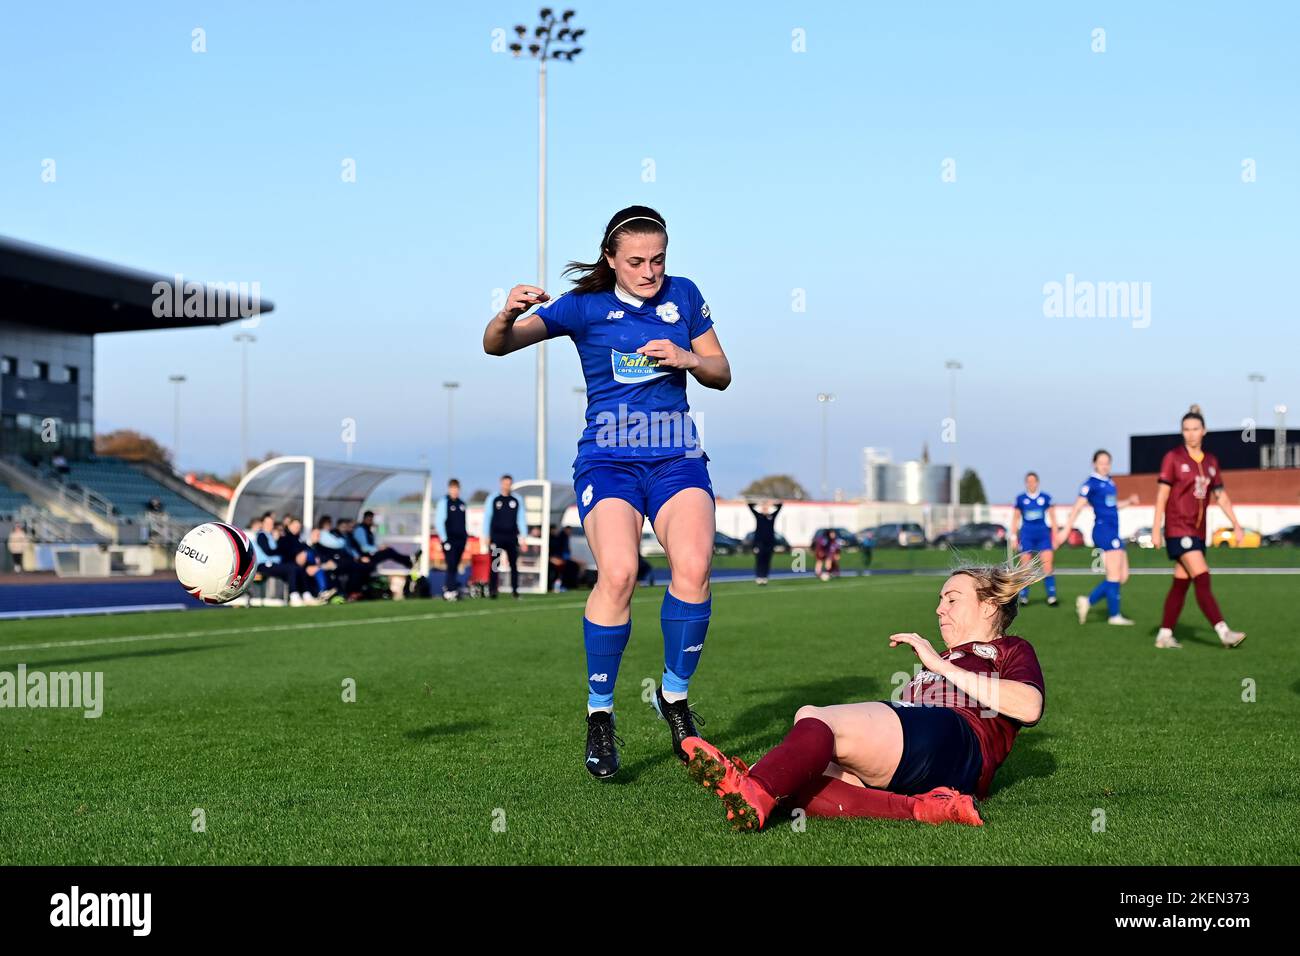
x=52 y=304
x=907 y=482
x=1270 y=445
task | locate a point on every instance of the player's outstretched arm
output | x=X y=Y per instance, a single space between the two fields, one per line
x=1064 y=536
x=506 y=332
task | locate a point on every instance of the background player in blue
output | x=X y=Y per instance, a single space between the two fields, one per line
x=638 y=332
x=1099 y=492
x=1033 y=523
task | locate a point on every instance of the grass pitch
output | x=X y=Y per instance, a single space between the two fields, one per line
x=465 y=741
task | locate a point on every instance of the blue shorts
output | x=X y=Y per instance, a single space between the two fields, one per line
x=1177 y=547
x=939 y=750
x=1106 y=538
x=1038 y=540
x=645 y=485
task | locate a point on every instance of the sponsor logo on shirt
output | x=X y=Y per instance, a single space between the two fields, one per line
x=704 y=310
x=615 y=314
x=633 y=369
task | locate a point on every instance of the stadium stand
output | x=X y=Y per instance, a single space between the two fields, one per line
x=11 y=502
x=129 y=489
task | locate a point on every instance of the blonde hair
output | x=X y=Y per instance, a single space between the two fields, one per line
x=1002 y=584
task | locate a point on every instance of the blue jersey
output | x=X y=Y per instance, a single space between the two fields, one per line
x=1033 y=511
x=1101 y=494
x=636 y=411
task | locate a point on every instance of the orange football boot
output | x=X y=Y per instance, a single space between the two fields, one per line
x=748 y=804
x=945 y=805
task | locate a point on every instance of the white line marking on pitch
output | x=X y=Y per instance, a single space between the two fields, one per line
x=317 y=625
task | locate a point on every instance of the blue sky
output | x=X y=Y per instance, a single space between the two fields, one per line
x=777 y=170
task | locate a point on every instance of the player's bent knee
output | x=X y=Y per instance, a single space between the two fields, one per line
x=617 y=580
x=691 y=573
x=809 y=711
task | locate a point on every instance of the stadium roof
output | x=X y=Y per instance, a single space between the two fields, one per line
x=69 y=293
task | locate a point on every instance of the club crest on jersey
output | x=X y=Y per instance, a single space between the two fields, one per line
x=633 y=369
x=986 y=651
x=1039 y=500
x=667 y=312
x=1186 y=467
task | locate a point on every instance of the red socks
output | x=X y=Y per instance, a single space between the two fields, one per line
x=1205 y=598
x=829 y=797
x=801 y=757
x=1174 y=602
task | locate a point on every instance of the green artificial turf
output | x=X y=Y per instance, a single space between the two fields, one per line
x=472 y=714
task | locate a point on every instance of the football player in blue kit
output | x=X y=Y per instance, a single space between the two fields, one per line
x=1099 y=492
x=1032 y=522
x=638 y=332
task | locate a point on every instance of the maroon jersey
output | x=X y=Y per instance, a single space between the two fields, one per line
x=1190 y=483
x=1007 y=658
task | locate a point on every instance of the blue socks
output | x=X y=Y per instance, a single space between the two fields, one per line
x=1110 y=591
x=605 y=645
x=1050 y=581
x=684 y=626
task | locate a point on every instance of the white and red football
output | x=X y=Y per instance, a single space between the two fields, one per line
x=215 y=562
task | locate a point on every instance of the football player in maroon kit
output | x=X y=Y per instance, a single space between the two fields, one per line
x=1188 y=475
x=917 y=758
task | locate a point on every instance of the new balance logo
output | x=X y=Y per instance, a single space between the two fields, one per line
x=615 y=315
x=695 y=649
x=599 y=678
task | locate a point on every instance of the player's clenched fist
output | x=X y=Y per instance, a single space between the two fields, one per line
x=521 y=299
x=669 y=354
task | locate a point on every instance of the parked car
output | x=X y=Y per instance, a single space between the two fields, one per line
x=650 y=544
x=726 y=544
x=780 y=546
x=982 y=534
x=1288 y=535
x=898 y=535
x=847 y=538
x=1141 y=537
x=1222 y=538
x=1074 y=539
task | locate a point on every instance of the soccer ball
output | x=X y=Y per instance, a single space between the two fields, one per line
x=215 y=562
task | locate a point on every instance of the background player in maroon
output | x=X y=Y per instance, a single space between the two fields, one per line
x=1188 y=476
x=918 y=758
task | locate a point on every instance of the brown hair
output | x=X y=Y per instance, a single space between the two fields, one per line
x=598 y=276
x=1002 y=584
x=1195 y=412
